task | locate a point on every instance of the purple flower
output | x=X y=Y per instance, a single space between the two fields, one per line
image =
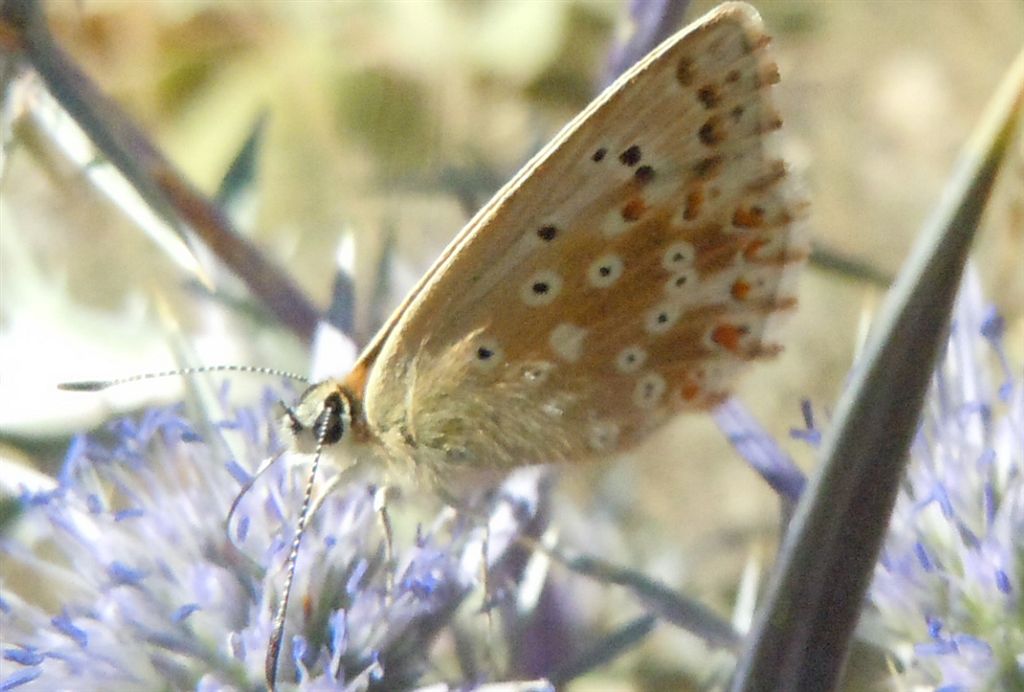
x=946 y=596
x=947 y=590
x=125 y=577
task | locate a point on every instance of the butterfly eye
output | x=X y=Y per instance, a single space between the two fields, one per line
x=321 y=416
x=330 y=424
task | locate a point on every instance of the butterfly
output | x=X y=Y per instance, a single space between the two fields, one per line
x=626 y=274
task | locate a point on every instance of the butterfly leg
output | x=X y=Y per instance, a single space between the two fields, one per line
x=244 y=490
x=485 y=578
x=381 y=495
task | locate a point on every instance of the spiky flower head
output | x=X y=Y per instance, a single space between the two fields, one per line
x=124 y=576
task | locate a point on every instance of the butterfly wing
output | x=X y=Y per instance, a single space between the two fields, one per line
x=625 y=274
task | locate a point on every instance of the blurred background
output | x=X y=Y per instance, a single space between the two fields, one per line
x=393 y=121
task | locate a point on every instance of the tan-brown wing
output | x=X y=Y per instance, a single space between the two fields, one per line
x=625 y=274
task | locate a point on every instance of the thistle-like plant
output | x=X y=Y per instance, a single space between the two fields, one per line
x=145 y=586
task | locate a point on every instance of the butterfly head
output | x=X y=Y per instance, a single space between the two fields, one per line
x=322 y=417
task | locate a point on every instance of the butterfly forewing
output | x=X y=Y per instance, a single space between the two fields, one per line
x=624 y=275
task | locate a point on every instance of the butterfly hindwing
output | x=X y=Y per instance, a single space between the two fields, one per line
x=625 y=274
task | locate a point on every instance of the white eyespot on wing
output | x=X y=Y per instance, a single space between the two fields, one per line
x=566 y=340
x=678 y=256
x=536 y=372
x=541 y=288
x=588 y=185
x=765 y=249
x=603 y=436
x=487 y=354
x=681 y=283
x=605 y=271
x=661 y=318
x=553 y=409
x=649 y=390
x=630 y=359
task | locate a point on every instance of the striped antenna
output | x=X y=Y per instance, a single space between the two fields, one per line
x=99 y=385
x=325 y=422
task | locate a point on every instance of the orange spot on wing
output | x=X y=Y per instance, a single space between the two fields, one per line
x=771 y=123
x=709 y=96
x=766 y=351
x=761 y=42
x=748 y=217
x=711 y=132
x=684 y=72
x=750 y=252
x=694 y=202
x=785 y=303
x=634 y=209
x=690 y=390
x=776 y=172
x=769 y=74
x=728 y=336
x=708 y=167
x=740 y=289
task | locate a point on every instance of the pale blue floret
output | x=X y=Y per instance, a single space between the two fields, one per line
x=948 y=583
x=949 y=580
x=156 y=593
